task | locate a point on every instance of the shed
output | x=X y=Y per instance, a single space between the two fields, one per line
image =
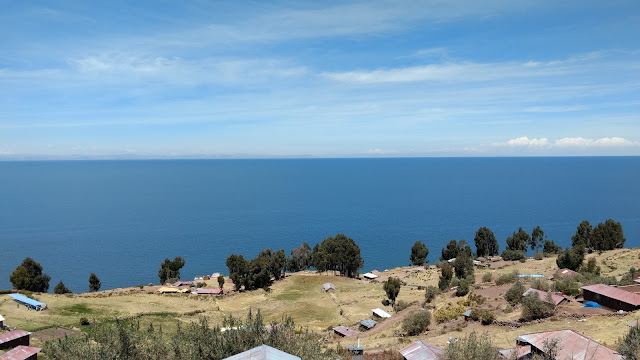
x=369 y=276
x=466 y=315
x=611 y=297
x=14 y=338
x=202 y=291
x=168 y=290
x=263 y=352
x=357 y=351
x=344 y=331
x=571 y=345
x=377 y=312
x=555 y=298
x=421 y=350
x=21 y=352
x=1 y=322
x=328 y=286
x=368 y=324
x=182 y=283
x=31 y=303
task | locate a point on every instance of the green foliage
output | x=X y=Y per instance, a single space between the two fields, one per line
x=84 y=321
x=591 y=267
x=401 y=305
x=486 y=242
x=486 y=278
x=518 y=241
x=300 y=258
x=540 y=284
x=448 y=313
x=127 y=341
x=392 y=288
x=430 y=293
x=463 y=287
x=446 y=273
x=474 y=346
x=568 y=286
x=417 y=322
x=512 y=255
x=94 y=283
x=570 y=259
x=550 y=247
x=485 y=316
x=463 y=265
x=538 y=256
x=61 y=289
x=629 y=345
x=220 y=281
x=238 y=270
x=537 y=236
x=534 y=308
x=582 y=237
x=170 y=270
x=508 y=309
x=419 y=253
x=338 y=253
x=607 y=236
x=514 y=294
x=507 y=278
x=29 y=276
x=453 y=248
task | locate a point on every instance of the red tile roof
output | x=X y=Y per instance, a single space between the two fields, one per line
x=420 y=350
x=614 y=293
x=12 y=335
x=555 y=299
x=571 y=346
x=20 y=353
x=344 y=331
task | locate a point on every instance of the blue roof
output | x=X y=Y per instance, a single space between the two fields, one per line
x=591 y=304
x=26 y=300
x=467 y=313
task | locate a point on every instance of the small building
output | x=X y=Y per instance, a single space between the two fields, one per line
x=357 y=351
x=555 y=298
x=369 y=276
x=202 y=291
x=182 y=283
x=28 y=302
x=21 y=352
x=563 y=273
x=263 y=352
x=171 y=290
x=377 y=312
x=571 y=345
x=344 y=331
x=467 y=315
x=206 y=277
x=611 y=297
x=521 y=353
x=14 y=338
x=421 y=350
x=1 y=322
x=328 y=286
x=368 y=324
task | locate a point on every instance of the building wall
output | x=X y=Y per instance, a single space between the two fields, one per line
x=15 y=342
x=607 y=301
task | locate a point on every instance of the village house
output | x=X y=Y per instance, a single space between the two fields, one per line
x=263 y=352
x=611 y=297
x=21 y=352
x=14 y=338
x=377 y=312
x=543 y=295
x=344 y=331
x=421 y=350
x=570 y=345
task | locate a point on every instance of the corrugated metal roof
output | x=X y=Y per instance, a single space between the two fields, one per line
x=328 y=286
x=555 y=299
x=209 y=291
x=380 y=313
x=421 y=350
x=467 y=313
x=12 y=335
x=1 y=318
x=264 y=352
x=368 y=323
x=571 y=346
x=26 y=300
x=370 y=275
x=614 y=293
x=344 y=331
x=20 y=353
x=521 y=351
x=564 y=273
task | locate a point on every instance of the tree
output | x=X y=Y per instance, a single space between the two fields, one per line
x=221 y=281
x=430 y=293
x=607 y=236
x=61 y=289
x=29 y=276
x=278 y=264
x=300 y=258
x=629 y=345
x=170 y=270
x=570 y=259
x=550 y=247
x=537 y=236
x=419 y=253
x=514 y=294
x=446 y=274
x=94 y=283
x=338 y=253
x=474 y=346
x=486 y=243
x=592 y=268
x=519 y=241
x=582 y=236
x=463 y=265
x=453 y=248
x=238 y=270
x=534 y=308
x=259 y=273
x=417 y=322
x=392 y=288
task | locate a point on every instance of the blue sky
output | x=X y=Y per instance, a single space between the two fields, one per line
x=149 y=79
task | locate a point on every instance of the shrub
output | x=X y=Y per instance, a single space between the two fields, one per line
x=463 y=288
x=477 y=299
x=538 y=256
x=629 y=345
x=61 y=289
x=386 y=302
x=540 y=284
x=486 y=317
x=474 y=346
x=401 y=305
x=507 y=278
x=509 y=255
x=84 y=321
x=487 y=277
x=568 y=286
x=514 y=294
x=417 y=322
x=508 y=309
x=448 y=313
x=140 y=286
x=534 y=308
x=430 y=293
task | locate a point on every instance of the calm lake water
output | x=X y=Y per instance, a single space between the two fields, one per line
x=120 y=219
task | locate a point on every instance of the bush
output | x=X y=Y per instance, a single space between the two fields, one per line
x=487 y=278
x=486 y=317
x=514 y=294
x=538 y=256
x=534 y=308
x=401 y=305
x=386 y=302
x=61 y=289
x=417 y=322
x=508 y=309
x=540 y=284
x=463 y=288
x=448 y=313
x=84 y=321
x=507 y=278
x=568 y=286
x=474 y=346
x=430 y=293
x=509 y=255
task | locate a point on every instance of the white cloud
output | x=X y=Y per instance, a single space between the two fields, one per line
x=587 y=143
x=525 y=141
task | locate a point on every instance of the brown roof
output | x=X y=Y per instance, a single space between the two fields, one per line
x=20 y=353
x=562 y=273
x=421 y=350
x=614 y=293
x=209 y=291
x=571 y=346
x=12 y=335
x=344 y=331
x=521 y=351
x=555 y=299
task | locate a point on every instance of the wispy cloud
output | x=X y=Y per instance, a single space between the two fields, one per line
x=569 y=142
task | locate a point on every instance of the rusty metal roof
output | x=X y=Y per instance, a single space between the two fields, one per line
x=344 y=331
x=209 y=291
x=571 y=346
x=555 y=299
x=20 y=353
x=614 y=293
x=521 y=351
x=564 y=273
x=12 y=335
x=421 y=350
x=264 y=352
